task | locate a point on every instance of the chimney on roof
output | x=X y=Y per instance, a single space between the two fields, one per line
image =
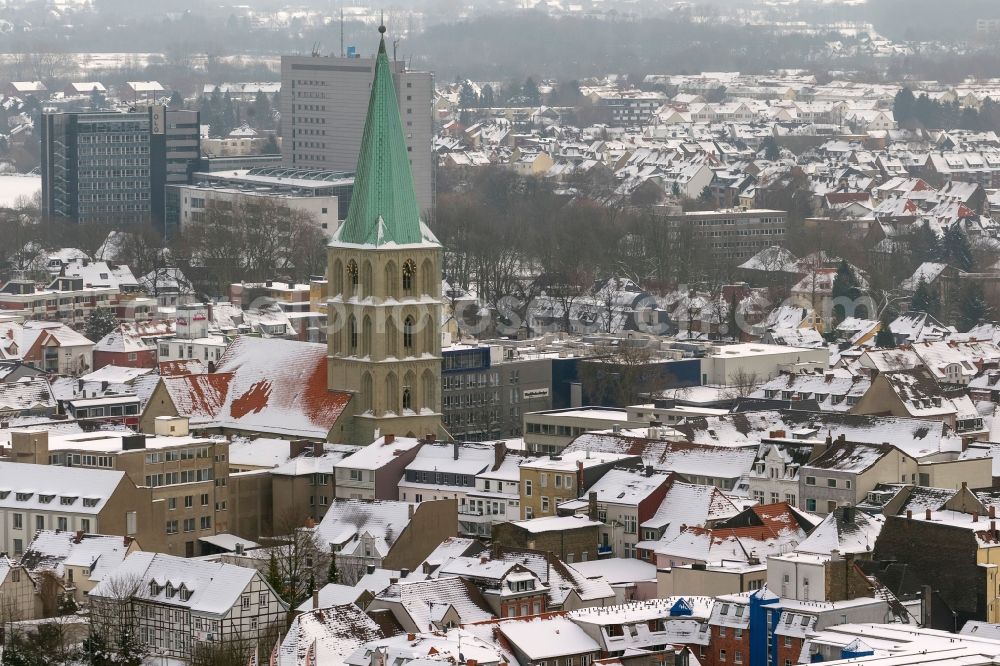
x=993 y=511
x=909 y=513
x=393 y=580
x=409 y=511
x=291 y=285
x=389 y=438
x=127 y=541
x=579 y=473
x=315 y=599
x=777 y=434
x=592 y=505
x=411 y=637
x=430 y=437
x=975 y=516
x=310 y=523
x=296 y=447
x=370 y=568
x=79 y=536
x=499 y=453
x=404 y=572
x=454 y=449
x=927 y=514
x=211 y=367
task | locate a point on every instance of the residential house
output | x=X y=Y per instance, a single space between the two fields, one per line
x=374 y=472
x=327 y=635
x=573 y=538
x=436 y=604
x=386 y=534
x=530 y=640
x=547 y=482
x=77 y=559
x=186 y=475
x=175 y=605
x=625 y=499
x=93 y=500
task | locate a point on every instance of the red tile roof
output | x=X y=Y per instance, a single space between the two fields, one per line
x=264 y=385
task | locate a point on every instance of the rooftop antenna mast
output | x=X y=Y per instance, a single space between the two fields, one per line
x=341 y=31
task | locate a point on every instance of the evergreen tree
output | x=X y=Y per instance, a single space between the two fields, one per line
x=467 y=98
x=176 y=100
x=925 y=299
x=955 y=248
x=262 y=112
x=487 y=98
x=273 y=576
x=97 y=100
x=845 y=287
x=332 y=575
x=230 y=117
x=129 y=650
x=530 y=92
x=971 y=307
x=884 y=338
x=771 y=149
x=902 y=107
x=99 y=323
x=95 y=650
x=923 y=244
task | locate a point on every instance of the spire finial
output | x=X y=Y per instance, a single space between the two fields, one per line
x=381 y=22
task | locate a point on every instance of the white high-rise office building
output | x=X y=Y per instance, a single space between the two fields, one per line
x=324 y=100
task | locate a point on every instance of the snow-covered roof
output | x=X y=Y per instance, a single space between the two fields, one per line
x=379 y=453
x=74 y=490
x=327 y=636
x=627 y=486
x=534 y=636
x=718 y=459
x=347 y=520
x=26 y=394
x=51 y=550
x=427 y=600
x=690 y=504
x=854 y=532
x=214 y=587
x=263 y=385
x=617 y=570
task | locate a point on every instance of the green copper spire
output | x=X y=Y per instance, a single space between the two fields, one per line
x=384 y=207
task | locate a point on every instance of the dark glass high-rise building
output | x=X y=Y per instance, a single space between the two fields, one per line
x=114 y=166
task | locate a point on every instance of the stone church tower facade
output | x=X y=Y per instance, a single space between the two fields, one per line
x=384 y=311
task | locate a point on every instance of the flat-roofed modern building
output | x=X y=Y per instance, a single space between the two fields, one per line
x=114 y=166
x=323 y=194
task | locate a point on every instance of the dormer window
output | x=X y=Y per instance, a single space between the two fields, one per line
x=171 y=591
x=45 y=499
x=183 y=592
x=66 y=500
x=154 y=588
x=23 y=497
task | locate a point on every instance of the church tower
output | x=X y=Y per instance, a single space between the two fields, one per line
x=384 y=311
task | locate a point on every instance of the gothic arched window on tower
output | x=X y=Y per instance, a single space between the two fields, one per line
x=407 y=398
x=409 y=275
x=352 y=276
x=352 y=334
x=408 y=332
